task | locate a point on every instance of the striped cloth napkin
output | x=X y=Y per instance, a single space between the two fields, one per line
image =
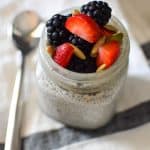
x=128 y=130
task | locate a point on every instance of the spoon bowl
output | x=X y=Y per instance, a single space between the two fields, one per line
x=23 y=26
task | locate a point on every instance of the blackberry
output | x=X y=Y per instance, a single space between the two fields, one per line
x=98 y=10
x=80 y=43
x=56 y=32
x=82 y=66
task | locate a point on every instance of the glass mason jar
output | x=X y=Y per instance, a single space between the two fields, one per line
x=81 y=100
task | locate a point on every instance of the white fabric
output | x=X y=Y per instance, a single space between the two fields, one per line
x=33 y=121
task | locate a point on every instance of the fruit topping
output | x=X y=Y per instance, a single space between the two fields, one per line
x=108 y=53
x=75 y=12
x=63 y=54
x=84 y=27
x=82 y=41
x=50 y=50
x=56 y=32
x=98 y=10
x=82 y=66
x=81 y=44
x=116 y=37
x=108 y=30
x=95 y=48
x=101 y=67
x=78 y=52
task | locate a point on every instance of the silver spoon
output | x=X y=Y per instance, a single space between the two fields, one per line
x=23 y=30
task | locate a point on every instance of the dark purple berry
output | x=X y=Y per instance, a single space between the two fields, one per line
x=56 y=32
x=98 y=10
x=82 y=66
x=81 y=44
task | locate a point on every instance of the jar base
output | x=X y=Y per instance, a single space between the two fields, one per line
x=82 y=124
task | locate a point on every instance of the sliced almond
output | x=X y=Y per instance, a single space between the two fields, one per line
x=116 y=37
x=75 y=12
x=111 y=28
x=50 y=50
x=78 y=52
x=94 y=50
x=101 y=67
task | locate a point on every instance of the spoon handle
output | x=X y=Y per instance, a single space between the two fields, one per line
x=12 y=141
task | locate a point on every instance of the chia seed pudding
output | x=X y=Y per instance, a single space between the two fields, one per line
x=82 y=100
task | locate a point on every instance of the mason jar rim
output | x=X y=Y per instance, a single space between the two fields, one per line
x=80 y=77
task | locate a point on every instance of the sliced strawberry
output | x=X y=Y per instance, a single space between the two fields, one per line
x=98 y=60
x=63 y=54
x=108 y=53
x=84 y=26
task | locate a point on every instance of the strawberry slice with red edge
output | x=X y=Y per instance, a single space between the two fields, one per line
x=84 y=27
x=63 y=54
x=108 y=54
